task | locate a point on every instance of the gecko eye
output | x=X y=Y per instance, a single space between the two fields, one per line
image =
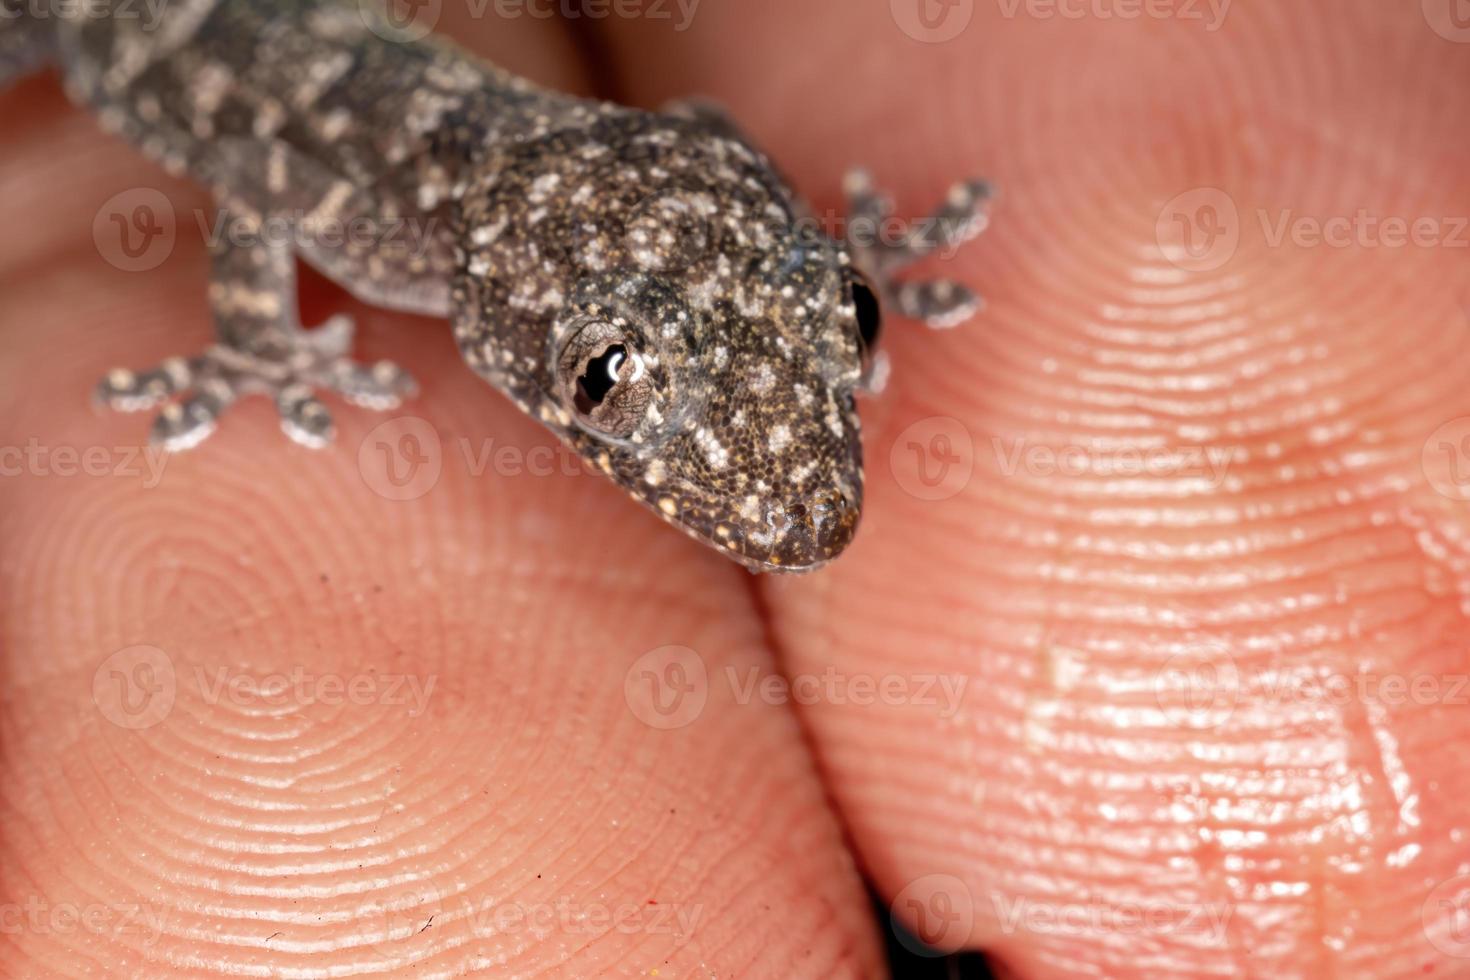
x=604 y=381
x=869 y=312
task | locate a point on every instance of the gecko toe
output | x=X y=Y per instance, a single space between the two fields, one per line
x=381 y=387
x=186 y=424
x=941 y=304
x=961 y=216
x=134 y=391
x=303 y=417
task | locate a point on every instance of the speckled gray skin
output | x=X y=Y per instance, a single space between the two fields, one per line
x=644 y=284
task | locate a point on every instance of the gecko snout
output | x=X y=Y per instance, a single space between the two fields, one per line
x=804 y=534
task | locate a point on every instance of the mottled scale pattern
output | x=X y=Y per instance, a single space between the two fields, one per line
x=745 y=319
x=642 y=283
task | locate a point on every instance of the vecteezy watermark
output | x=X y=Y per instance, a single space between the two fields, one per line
x=936 y=910
x=1211 y=13
x=1204 y=921
x=394 y=915
x=669 y=688
x=1202 y=229
x=37 y=459
x=1445 y=916
x=403 y=21
x=1198 y=688
x=679 y=13
x=38 y=916
x=565 y=916
x=401 y=459
x=148 y=13
x=1446 y=459
x=673 y=230
x=940 y=235
x=1363 y=229
x=1450 y=19
x=135 y=230
x=395 y=918
x=933 y=459
x=932 y=21
x=403 y=237
x=831 y=686
x=412 y=20
x=1199 y=230
x=136 y=687
x=404 y=458
x=1201 y=688
x=1208 y=465
x=299 y=686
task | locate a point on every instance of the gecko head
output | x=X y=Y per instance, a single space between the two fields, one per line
x=701 y=345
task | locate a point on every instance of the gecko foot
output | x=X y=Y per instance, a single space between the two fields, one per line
x=290 y=369
x=961 y=217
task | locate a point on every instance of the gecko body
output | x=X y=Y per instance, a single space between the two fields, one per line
x=643 y=283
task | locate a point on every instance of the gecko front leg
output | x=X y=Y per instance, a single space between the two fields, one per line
x=958 y=219
x=261 y=346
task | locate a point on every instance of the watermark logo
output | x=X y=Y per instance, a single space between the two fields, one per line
x=1199 y=688
x=135 y=230
x=401 y=238
x=1095 y=918
x=401 y=459
x=1211 y=12
x=395 y=915
x=135 y=688
x=1209 y=465
x=37 y=459
x=403 y=21
x=937 y=910
x=667 y=688
x=670 y=231
x=1199 y=231
x=1450 y=19
x=1446 y=459
x=148 y=14
x=932 y=21
x=566 y=917
x=673 y=230
x=37 y=916
x=1363 y=229
x=933 y=459
x=1445 y=916
x=412 y=20
x=298 y=686
x=942 y=692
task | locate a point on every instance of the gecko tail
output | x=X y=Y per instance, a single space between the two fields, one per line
x=27 y=40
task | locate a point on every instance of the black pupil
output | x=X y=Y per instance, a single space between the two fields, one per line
x=869 y=314
x=600 y=377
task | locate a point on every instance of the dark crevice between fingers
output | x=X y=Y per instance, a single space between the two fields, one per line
x=595 y=50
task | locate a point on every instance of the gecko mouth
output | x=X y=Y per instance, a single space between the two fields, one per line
x=797 y=536
x=805 y=536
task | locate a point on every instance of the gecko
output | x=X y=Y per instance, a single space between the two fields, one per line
x=646 y=284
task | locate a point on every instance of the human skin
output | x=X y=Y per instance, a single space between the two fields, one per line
x=1095 y=804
